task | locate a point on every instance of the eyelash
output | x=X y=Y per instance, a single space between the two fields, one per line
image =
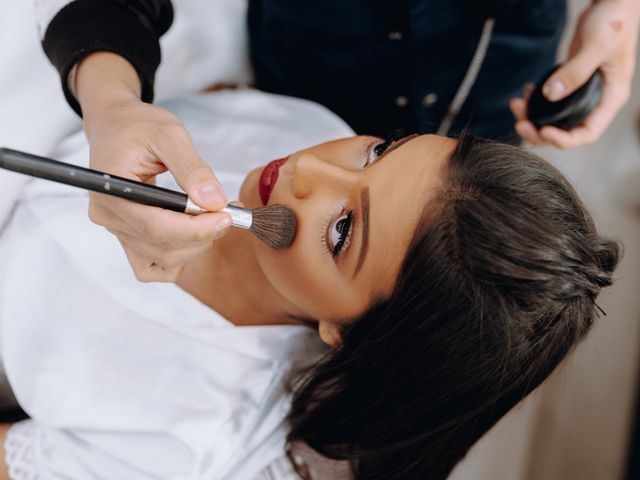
x=338 y=250
x=378 y=147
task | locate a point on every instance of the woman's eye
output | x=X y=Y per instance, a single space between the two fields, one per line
x=376 y=149
x=339 y=234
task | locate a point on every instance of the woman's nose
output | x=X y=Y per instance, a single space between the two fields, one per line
x=311 y=173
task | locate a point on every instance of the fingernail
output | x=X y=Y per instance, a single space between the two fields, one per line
x=211 y=194
x=224 y=223
x=554 y=90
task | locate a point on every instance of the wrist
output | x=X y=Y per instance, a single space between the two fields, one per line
x=632 y=7
x=103 y=79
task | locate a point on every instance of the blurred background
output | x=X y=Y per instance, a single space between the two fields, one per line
x=583 y=423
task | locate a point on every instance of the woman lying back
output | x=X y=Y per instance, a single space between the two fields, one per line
x=450 y=277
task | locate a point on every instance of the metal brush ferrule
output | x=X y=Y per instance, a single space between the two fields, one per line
x=193 y=209
x=240 y=217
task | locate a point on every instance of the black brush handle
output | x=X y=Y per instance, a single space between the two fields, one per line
x=93 y=180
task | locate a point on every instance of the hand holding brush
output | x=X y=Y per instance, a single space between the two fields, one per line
x=273 y=224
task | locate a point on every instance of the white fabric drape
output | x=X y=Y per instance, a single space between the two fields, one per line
x=141 y=381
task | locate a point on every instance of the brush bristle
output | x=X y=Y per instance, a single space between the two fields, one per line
x=275 y=225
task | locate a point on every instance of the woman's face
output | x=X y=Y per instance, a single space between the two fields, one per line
x=357 y=202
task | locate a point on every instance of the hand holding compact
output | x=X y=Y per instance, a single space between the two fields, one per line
x=605 y=40
x=569 y=112
x=138 y=141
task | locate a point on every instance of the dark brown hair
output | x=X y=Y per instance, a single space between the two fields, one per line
x=498 y=285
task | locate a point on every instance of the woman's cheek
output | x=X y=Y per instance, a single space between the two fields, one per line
x=300 y=275
x=249 y=194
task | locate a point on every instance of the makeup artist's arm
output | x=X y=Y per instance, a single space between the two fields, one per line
x=129 y=136
x=606 y=37
x=138 y=140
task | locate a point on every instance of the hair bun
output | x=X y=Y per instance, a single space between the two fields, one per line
x=607 y=254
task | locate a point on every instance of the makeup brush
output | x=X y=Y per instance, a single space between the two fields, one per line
x=275 y=225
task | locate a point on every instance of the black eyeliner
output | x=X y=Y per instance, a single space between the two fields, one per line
x=343 y=236
x=392 y=143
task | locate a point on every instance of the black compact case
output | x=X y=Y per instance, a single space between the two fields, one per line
x=568 y=112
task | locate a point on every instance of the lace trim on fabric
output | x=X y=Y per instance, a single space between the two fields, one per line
x=19 y=451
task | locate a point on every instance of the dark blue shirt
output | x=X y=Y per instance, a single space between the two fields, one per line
x=382 y=65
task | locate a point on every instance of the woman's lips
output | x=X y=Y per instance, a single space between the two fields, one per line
x=268 y=179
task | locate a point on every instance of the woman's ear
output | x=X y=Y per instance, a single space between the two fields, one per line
x=330 y=333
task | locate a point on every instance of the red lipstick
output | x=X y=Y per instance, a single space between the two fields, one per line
x=268 y=179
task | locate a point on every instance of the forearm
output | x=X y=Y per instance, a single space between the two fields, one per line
x=131 y=29
x=632 y=7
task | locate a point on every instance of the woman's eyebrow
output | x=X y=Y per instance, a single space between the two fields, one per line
x=364 y=240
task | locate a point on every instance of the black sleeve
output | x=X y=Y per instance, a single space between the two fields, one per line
x=131 y=28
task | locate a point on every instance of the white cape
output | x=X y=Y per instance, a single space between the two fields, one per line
x=125 y=380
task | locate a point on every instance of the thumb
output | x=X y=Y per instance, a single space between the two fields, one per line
x=574 y=73
x=192 y=174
